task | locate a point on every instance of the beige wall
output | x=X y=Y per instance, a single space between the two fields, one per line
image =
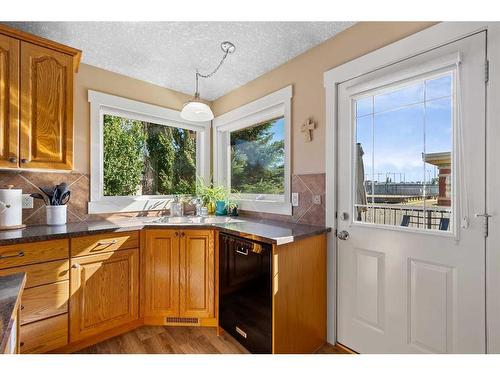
x=305 y=72
x=90 y=77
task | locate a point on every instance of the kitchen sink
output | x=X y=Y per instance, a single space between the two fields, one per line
x=179 y=220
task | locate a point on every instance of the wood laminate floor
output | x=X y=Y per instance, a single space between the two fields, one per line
x=177 y=340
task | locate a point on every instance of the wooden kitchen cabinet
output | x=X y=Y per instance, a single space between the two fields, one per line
x=197 y=270
x=46 y=108
x=36 y=94
x=161 y=273
x=9 y=99
x=179 y=271
x=104 y=292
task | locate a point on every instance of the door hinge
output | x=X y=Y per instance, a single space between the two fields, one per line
x=486 y=222
x=486 y=71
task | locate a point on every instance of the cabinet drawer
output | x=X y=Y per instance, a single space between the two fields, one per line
x=35 y=252
x=102 y=243
x=45 y=335
x=42 y=273
x=44 y=301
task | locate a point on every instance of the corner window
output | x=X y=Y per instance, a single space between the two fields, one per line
x=142 y=158
x=142 y=155
x=252 y=153
x=258 y=159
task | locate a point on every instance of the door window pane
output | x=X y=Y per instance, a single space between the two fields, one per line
x=403 y=156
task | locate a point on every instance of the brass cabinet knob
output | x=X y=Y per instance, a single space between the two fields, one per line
x=13 y=159
x=24 y=161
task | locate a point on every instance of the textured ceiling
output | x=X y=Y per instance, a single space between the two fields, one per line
x=168 y=53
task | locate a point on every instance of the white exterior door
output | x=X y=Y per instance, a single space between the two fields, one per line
x=411 y=180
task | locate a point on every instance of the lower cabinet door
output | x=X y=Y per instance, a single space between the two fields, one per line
x=104 y=292
x=197 y=274
x=161 y=274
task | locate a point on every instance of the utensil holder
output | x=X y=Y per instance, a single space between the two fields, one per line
x=56 y=215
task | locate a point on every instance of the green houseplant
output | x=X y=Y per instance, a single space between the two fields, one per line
x=210 y=194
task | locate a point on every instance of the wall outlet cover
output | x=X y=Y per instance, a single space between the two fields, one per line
x=317 y=199
x=295 y=199
x=27 y=201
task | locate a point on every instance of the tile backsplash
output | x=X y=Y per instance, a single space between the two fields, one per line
x=307 y=185
x=307 y=212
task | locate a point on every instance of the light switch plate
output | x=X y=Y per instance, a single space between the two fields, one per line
x=27 y=201
x=317 y=199
x=295 y=199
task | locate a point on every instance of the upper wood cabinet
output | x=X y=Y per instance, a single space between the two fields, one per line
x=9 y=101
x=36 y=94
x=46 y=108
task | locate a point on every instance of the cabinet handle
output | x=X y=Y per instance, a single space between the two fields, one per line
x=13 y=159
x=75 y=266
x=104 y=243
x=183 y=234
x=176 y=234
x=242 y=252
x=18 y=255
x=24 y=161
x=21 y=343
x=22 y=307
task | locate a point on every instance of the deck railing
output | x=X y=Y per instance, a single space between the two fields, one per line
x=392 y=214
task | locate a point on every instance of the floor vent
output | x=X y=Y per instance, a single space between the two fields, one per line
x=193 y=321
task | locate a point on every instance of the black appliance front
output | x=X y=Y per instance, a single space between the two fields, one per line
x=245 y=301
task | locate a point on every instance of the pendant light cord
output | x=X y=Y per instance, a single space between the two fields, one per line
x=198 y=75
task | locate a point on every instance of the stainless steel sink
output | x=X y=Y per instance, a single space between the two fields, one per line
x=180 y=220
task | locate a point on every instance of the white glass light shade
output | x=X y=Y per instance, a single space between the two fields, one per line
x=196 y=111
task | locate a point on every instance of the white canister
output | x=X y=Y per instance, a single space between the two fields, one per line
x=56 y=215
x=11 y=207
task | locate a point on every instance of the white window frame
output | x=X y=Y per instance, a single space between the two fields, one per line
x=105 y=104
x=274 y=105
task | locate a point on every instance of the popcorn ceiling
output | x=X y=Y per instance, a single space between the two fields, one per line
x=168 y=53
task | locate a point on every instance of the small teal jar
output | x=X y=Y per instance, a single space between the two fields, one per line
x=220 y=208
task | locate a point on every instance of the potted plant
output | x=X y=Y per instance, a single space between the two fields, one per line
x=212 y=196
x=55 y=200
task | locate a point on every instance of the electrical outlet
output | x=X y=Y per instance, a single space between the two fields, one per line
x=295 y=199
x=27 y=201
x=317 y=199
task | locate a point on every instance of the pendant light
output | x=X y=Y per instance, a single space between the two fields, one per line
x=195 y=109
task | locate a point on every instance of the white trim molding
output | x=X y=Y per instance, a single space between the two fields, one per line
x=413 y=45
x=101 y=104
x=276 y=104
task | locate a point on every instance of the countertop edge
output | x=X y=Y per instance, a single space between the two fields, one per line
x=5 y=337
x=139 y=226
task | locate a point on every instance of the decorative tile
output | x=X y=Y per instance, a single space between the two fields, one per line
x=78 y=203
x=305 y=197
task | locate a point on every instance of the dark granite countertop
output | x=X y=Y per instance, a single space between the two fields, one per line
x=11 y=287
x=270 y=231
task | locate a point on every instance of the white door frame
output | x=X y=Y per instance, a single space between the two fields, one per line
x=435 y=36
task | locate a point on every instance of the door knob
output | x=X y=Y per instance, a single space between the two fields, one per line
x=343 y=235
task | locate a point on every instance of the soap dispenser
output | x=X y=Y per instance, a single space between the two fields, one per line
x=176 y=208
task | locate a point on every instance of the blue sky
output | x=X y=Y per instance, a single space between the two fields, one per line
x=279 y=130
x=405 y=123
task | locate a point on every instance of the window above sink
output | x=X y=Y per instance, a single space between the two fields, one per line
x=142 y=155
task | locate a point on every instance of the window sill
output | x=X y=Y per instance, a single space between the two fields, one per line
x=124 y=204
x=269 y=207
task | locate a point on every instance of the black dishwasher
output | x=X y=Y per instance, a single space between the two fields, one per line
x=245 y=310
